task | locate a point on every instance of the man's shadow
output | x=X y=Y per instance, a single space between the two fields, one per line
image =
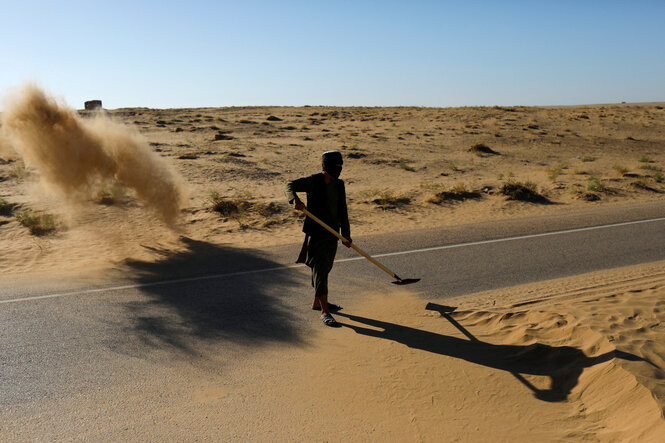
x=208 y=293
x=563 y=364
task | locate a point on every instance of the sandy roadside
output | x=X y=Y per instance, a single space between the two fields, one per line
x=405 y=168
x=576 y=359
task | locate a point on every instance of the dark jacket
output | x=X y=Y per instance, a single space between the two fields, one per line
x=317 y=204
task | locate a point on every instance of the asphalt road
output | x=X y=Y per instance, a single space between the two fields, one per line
x=63 y=339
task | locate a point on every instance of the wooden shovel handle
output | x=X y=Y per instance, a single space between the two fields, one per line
x=360 y=251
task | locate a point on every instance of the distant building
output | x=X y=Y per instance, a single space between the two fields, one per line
x=93 y=105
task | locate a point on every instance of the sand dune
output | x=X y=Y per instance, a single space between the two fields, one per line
x=520 y=375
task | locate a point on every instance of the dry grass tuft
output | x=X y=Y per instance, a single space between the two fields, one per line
x=482 y=149
x=243 y=211
x=405 y=166
x=38 y=224
x=6 y=208
x=457 y=193
x=649 y=167
x=385 y=199
x=105 y=198
x=522 y=191
x=266 y=209
x=555 y=171
x=595 y=184
x=232 y=208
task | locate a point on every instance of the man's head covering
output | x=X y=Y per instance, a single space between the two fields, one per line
x=332 y=162
x=332 y=157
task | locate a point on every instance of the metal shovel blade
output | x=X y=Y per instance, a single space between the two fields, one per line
x=406 y=281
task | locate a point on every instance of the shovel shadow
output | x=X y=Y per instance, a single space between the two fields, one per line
x=562 y=364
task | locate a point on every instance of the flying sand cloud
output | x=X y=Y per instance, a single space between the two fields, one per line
x=79 y=157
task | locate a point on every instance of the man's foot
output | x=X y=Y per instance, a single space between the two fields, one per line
x=331 y=307
x=328 y=320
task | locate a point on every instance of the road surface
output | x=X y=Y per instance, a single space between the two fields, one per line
x=64 y=341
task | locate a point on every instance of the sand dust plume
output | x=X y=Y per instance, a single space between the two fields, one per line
x=79 y=157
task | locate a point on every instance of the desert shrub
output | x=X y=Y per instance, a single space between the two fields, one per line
x=482 y=149
x=459 y=192
x=403 y=165
x=526 y=191
x=555 y=171
x=6 y=208
x=460 y=188
x=105 y=197
x=384 y=199
x=588 y=196
x=245 y=212
x=649 y=167
x=588 y=159
x=265 y=209
x=657 y=177
x=356 y=155
x=38 y=224
x=432 y=186
x=645 y=159
x=234 y=208
x=578 y=192
x=595 y=184
x=112 y=195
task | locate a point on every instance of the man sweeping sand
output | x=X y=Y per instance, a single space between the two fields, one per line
x=326 y=199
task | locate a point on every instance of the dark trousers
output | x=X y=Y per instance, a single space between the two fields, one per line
x=319 y=254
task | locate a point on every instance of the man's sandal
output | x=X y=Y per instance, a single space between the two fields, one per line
x=328 y=320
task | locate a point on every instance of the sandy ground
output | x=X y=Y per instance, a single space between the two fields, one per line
x=406 y=168
x=574 y=359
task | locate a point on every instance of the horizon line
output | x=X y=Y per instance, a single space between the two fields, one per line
x=623 y=103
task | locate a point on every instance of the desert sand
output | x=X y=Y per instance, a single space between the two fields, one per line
x=406 y=168
x=574 y=359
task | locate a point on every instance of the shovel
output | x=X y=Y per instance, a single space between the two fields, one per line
x=398 y=281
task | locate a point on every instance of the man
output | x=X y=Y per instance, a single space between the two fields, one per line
x=326 y=199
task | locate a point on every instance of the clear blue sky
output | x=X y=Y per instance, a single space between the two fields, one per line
x=375 y=53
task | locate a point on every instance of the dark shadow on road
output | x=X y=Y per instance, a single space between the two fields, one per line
x=562 y=364
x=247 y=309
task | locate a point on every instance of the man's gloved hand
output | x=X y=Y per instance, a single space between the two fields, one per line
x=298 y=205
x=347 y=243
